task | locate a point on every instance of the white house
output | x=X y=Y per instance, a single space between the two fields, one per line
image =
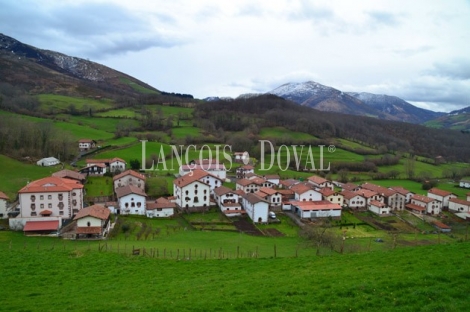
x=129 y=177
x=69 y=174
x=288 y=183
x=459 y=205
x=191 y=193
x=271 y=195
x=249 y=186
x=423 y=204
x=256 y=207
x=468 y=196
x=94 y=169
x=3 y=205
x=464 y=183
x=273 y=178
x=242 y=171
x=332 y=196
x=211 y=166
x=378 y=207
x=242 y=157
x=93 y=221
x=48 y=199
x=228 y=201
x=112 y=165
x=208 y=178
x=319 y=182
x=350 y=187
x=403 y=192
x=48 y=161
x=353 y=200
x=86 y=145
x=441 y=195
x=303 y=192
x=316 y=209
x=370 y=196
x=161 y=208
x=393 y=199
x=131 y=200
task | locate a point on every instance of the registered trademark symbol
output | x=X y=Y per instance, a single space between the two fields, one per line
x=331 y=148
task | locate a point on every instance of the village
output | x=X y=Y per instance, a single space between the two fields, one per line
x=55 y=205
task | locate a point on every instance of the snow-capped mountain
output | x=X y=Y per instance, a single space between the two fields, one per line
x=397 y=107
x=326 y=98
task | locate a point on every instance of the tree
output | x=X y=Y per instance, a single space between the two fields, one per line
x=135 y=164
x=410 y=167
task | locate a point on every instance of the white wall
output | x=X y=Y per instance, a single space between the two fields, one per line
x=309 y=195
x=187 y=200
x=458 y=207
x=83 y=222
x=163 y=213
x=135 y=204
x=257 y=211
x=3 y=208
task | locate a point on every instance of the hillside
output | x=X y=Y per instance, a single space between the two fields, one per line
x=396 y=107
x=457 y=120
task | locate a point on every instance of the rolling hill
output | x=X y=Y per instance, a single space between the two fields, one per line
x=456 y=120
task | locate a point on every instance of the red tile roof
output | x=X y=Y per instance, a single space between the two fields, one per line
x=252 y=198
x=96 y=211
x=326 y=191
x=441 y=225
x=422 y=198
x=301 y=188
x=317 y=180
x=247 y=167
x=366 y=193
x=400 y=190
x=289 y=182
x=69 y=174
x=221 y=190
x=272 y=177
x=316 y=205
x=415 y=207
x=3 y=196
x=268 y=190
x=52 y=225
x=376 y=203
x=85 y=141
x=439 y=192
x=349 y=186
x=51 y=184
x=129 y=189
x=379 y=189
x=350 y=194
x=460 y=201
x=193 y=176
x=45 y=212
x=129 y=172
x=160 y=203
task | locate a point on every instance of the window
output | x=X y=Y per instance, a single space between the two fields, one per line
x=186 y=192
x=33 y=198
x=196 y=199
x=195 y=191
x=49 y=205
x=74 y=194
x=33 y=214
x=41 y=197
x=49 y=196
x=127 y=205
x=88 y=223
x=139 y=204
x=61 y=197
x=132 y=204
x=42 y=206
x=74 y=202
x=33 y=206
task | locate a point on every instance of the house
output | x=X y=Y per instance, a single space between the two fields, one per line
x=249 y=186
x=316 y=209
x=191 y=193
x=69 y=174
x=423 y=204
x=129 y=177
x=208 y=178
x=94 y=169
x=242 y=171
x=404 y=192
x=211 y=166
x=43 y=227
x=370 y=196
x=48 y=199
x=393 y=199
x=48 y=161
x=464 y=183
x=241 y=157
x=444 y=228
x=303 y=192
x=256 y=208
x=86 y=145
x=332 y=196
x=350 y=187
x=161 y=208
x=3 y=205
x=271 y=195
x=441 y=195
x=92 y=221
x=131 y=200
x=319 y=182
x=287 y=184
x=228 y=201
x=112 y=165
x=459 y=205
x=273 y=178
x=353 y=200
x=112 y=206
x=379 y=207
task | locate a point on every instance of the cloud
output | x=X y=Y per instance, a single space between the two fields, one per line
x=91 y=29
x=413 y=51
x=457 y=69
x=382 y=18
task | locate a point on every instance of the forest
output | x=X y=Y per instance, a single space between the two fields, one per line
x=252 y=114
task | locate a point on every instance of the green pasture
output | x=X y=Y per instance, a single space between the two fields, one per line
x=354 y=145
x=120 y=113
x=99 y=186
x=137 y=87
x=61 y=103
x=284 y=134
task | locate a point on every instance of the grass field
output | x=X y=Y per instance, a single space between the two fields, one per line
x=402 y=279
x=99 y=186
x=284 y=134
x=61 y=103
x=137 y=87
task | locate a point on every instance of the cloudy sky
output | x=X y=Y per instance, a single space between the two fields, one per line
x=417 y=50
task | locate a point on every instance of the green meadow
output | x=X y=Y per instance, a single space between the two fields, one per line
x=61 y=103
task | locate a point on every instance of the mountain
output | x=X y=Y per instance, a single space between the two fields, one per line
x=328 y=99
x=456 y=120
x=44 y=71
x=397 y=107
